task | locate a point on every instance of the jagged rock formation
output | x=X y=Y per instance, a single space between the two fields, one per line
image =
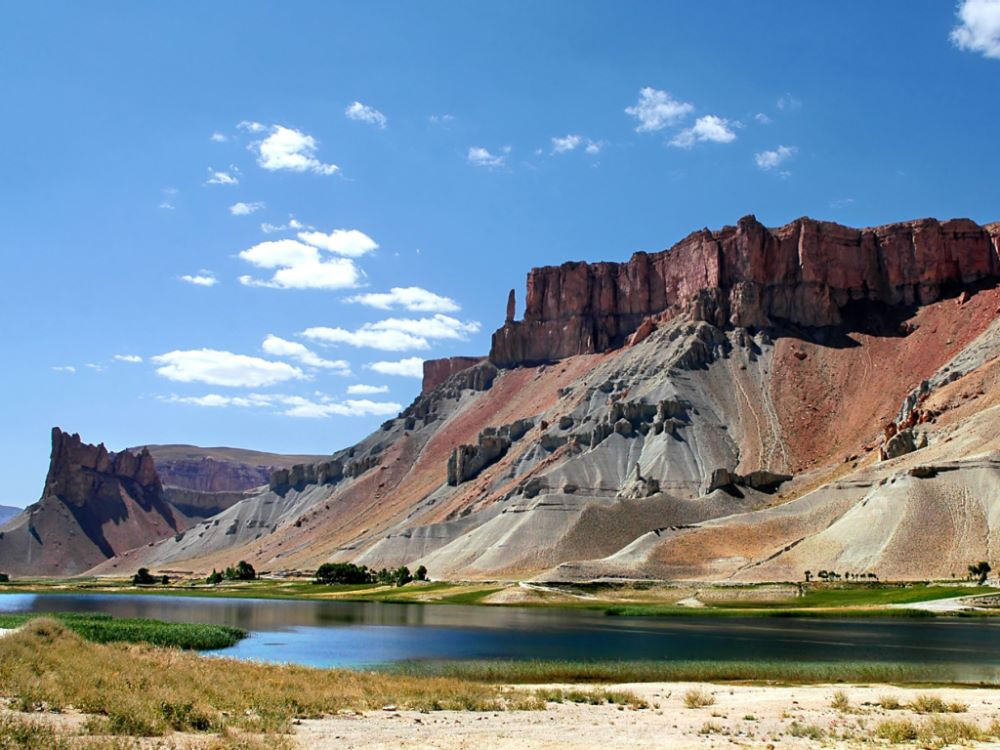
x=217 y=469
x=776 y=356
x=806 y=273
x=436 y=371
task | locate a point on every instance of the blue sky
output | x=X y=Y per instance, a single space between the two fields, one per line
x=303 y=160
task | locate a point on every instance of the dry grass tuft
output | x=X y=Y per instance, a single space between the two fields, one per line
x=840 y=701
x=698 y=698
x=889 y=702
x=925 y=703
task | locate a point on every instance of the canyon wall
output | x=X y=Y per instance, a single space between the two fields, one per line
x=804 y=274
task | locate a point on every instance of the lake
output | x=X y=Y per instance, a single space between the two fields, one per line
x=355 y=634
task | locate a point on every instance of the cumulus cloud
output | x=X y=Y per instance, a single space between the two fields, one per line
x=396 y=334
x=245 y=209
x=202 y=278
x=287 y=148
x=707 y=128
x=364 y=113
x=360 y=389
x=657 y=109
x=292 y=223
x=251 y=127
x=219 y=177
x=64 y=368
x=481 y=157
x=279 y=347
x=299 y=266
x=979 y=27
x=349 y=242
x=216 y=367
x=574 y=141
x=218 y=138
x=412 y=298
x=130 y=358
x=321 y=405
x=770 y=159
x=411 y=367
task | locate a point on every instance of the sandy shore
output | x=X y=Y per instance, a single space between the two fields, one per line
x=742 y=716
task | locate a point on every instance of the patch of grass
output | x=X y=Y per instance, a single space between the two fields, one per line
x=576 y=672
x=840 y=701
x=592 y=697
x=698 y=698
x=809 y=731
x=140 y=690
x=947 y=730
x=17 y=733
x=889 y=702
x=926 y=703
x=712 y=727
x=102 y=628
x=896 y=731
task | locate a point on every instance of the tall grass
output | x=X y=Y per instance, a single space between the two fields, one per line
x=534 y=671
x=102 y=628
x=139 y=690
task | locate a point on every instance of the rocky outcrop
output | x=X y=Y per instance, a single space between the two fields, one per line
x=80 y=473
x=466 y=461
x=208 y=474
x=436 y=371
x=807 y=273
x=762 y=481
x=299 y=475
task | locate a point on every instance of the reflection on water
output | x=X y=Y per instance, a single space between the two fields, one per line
x=327 y=633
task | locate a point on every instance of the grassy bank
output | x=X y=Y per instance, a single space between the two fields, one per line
x=788 y=673
x=102 y=628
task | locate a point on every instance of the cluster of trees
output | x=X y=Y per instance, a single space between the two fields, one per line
x=347 y=573
x=143 y=577
x=980 y=571
x=832 y=575
x=4 y=578
x=242 y=571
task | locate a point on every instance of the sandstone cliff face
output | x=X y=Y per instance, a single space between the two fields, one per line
x=805 y=273
x=436 y=371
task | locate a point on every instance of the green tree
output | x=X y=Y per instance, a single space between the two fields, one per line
x=343 y=573
x=401 y=576
x=980 y=571
x=242 y=572
x=142 y=578
x=421 y=574
x=215 y=577
x=4 y=578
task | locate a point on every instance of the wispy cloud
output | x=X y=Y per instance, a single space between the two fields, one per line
x=788 y=103
x=319 y=406
x=202 y=278
x=657 y=109
x=412 y=298
x=770 y=159
x=979 y=27
x=364 y=113
x=708 y=128
x=133 y=359
x=482 y=157
x=287 y=149
x=762 y=118
x=411 y=367
x=573 y=141
x=292 y=223
x=221 y=177
x=64 y=368
x=245 y=209
x=218 y=138
x=217 y=367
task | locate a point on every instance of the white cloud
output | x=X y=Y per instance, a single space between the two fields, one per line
x=656 y=110
x=771 y=159
x=202 y=278
x=167 y=205
x=216 y=367
x=364 y=113
x=218 y=138
x=396 y=334
x=762 y=118
x=707 y=128
x=95 y=367
x=349 y=242
x=444 y=119
x=788 y=103
x=64 y=368
x=218 y=177
x=409 y=298
x=130 y=358
x=245 y=209
x=481 y=157
x=287 y=148
x=573 y=141
x=979 y=30
x=279 y=347
x=360 y=389
x=386 y=340
x=268 y=228
x=293 y=406
x=299 y=266
x=411 y=367
x=251 y=126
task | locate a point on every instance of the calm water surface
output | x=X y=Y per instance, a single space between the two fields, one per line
x=364 y=633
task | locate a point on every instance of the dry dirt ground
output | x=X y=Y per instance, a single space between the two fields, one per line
x=742 y=716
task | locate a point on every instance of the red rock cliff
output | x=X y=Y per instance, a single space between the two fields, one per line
x=803 y=273
x=436 y=371
x=78 y=471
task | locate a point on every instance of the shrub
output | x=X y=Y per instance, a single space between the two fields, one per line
x=925 y=703
x=143 y=578
x=242 y=572
x=896 y=730
x=4 y=578
x=214 y=578
x=889 y=702
x=840 y=701
x=809 y=731
x=343 y=573
x=421 y=574
x=698 y=698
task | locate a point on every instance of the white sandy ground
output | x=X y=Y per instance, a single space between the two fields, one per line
x=743 y=716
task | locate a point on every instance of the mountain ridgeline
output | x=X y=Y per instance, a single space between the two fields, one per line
x=746 y=405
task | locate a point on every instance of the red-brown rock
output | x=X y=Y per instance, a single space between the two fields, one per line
x=804 y=273
x=436 y=371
